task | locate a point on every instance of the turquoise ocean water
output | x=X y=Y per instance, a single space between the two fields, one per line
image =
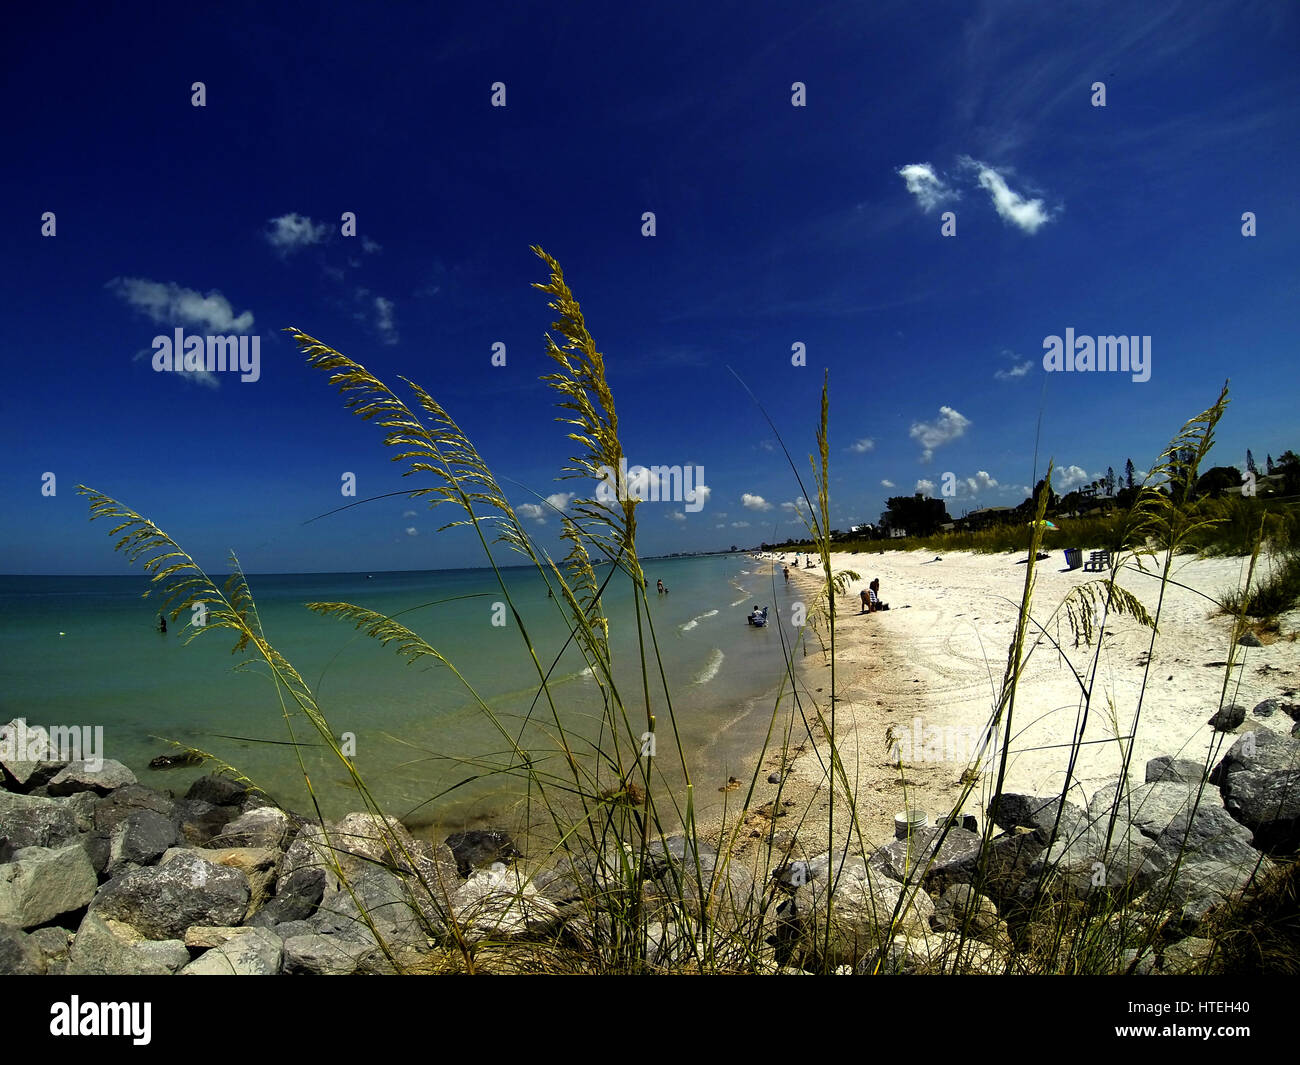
x=419 y=733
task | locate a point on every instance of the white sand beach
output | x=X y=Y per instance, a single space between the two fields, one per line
x=931 y=668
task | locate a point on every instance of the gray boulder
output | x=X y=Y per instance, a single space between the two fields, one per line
x=1269 y=707
x=1187 y=956
x=256 y=952
x=139 y=839
x=498 y=903
x=1227 y=718
x=1123 y=866
x=53 y=943
x=863 y=919
x=1167 y=769
x=1039 y=813
x=395 y=906
x=25 y=755
x=296 y=898
x=695 y=874
x=38 y=821
x=1151 y=807
x=19 y=954
x=960 y=906
x=199 y=821
x=260 y=866
x=325 y=955
x=955 y=861
x=1211 y=833
x=480 y=849
x=105 y=947
x=1269 y=805
x=79 y=776
x=1259 y=778
x=1199 y=886
x=163 y=901
x=223 y=791
x=39 y=884
x=262 y=826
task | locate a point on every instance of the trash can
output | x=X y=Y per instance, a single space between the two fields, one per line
x=1073 y=557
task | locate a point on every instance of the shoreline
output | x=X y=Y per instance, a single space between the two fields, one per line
x=926 y=669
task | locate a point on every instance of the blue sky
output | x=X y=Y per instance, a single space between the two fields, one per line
x=775 y=225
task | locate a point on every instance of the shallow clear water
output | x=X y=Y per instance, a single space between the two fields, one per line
x=419 y=733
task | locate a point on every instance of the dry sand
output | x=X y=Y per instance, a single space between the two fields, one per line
x=931 y=668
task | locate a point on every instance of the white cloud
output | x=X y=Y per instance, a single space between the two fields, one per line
x=533 y=511
x=862 y=446
x=411 y=530
x=560 y=500
x=926 y=185
x=292 y=231
x=980 y=482
x=949 y=426
x=887 y=484
x=1065 y=478
x=702 y=494
x=1026 y=215
x=926 y=488
x=169 y=303
x=370 y=246
x=740 y=525
x=384 y=320
x=1018 y=368
x=408 y=513
x=798 y=506
x=753 y=502
x=675 y=515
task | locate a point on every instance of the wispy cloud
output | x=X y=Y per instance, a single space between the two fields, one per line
x=384 y=320
x=947 y=427
x=169 y=303
x=928 y=188
x=292 y=231
x=859 y=447
x=1019 y=368
x=1026 y=215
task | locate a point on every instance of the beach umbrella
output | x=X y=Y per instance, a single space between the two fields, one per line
x=1050 y=526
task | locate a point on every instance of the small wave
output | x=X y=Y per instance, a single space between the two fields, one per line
x=711 y=670
x=696 y=620
x=743 y=599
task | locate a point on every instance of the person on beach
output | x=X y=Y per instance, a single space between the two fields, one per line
x=787 y=574
x=162 y=624
x=662 y=589
x=873 y=595
x=866 y=602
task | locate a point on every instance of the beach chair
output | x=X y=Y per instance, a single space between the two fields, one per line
x=1097 y=561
